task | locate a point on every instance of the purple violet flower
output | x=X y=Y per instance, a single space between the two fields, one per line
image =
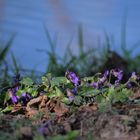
x=15 y=89
x=104 y=77
x=13 y=95
x=118 y=73
x=130 y=83
x=25 y=97
x=44 y=127
x=101 y=80
x=106 y=73
x=71 y=98
x=15 y=98
x=95 y=84
x=70 y=95
x=73 y=78
x=75 y=90
x=134 y=76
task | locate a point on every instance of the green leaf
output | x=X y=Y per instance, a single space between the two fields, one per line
x=99 y=98
x=123 y=96
x=7 y=109
x=5 y=50
x=66 y=100
x=19 y=92
x=6 y=98
x=91 y=92
x=55 y=93
x=32 y=90
x=58 y=92
x=77 y=100
x=104 y=105
x=87 y=79
x=57 y=81
x=72 y=135
x=16 y=67
x=39 y=137
x=115 y=95
x=27 y=81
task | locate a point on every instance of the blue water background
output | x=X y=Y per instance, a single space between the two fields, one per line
x=26 y=19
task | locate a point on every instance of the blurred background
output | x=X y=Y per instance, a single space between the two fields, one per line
x=70 y=30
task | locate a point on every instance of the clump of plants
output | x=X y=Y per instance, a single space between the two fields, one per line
x=58 y=96
x=72 y=89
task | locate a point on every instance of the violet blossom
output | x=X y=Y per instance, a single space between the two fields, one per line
x=25 y=97
x=95 y=84
x=118 y=73
x=44 y=127
x=75 y=90
x=70 y=95
x=130 y=83
x=101 y=80
x=134 y=76
x=73 y=78
x=13 y=95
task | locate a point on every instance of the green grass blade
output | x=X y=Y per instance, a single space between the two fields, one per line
x=5 y=50
x=16 y=67
x=52 y=44
x=80 y=39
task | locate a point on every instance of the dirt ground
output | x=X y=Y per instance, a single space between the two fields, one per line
x=121 y=122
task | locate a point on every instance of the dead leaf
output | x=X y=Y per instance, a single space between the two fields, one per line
x=34 y=103
x=31 y=113
x=60 y=109
x=43 y=102
x=55 y=105
x=18 y=109
x=89 y=107
x=136 y=95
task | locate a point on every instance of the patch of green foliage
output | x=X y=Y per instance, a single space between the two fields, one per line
x=112 y=96
x=63 y=88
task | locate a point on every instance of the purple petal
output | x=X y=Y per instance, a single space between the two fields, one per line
x=42 y=130
x=118 y=73
x=134 y=76
x=73 y=78
x=23 y=94
x=74 y=91
x=44 y=127
x=129 y=85
x=25 y=97
x=13 y=96
x=106 y=73
x=94 y=84
x=103 y=79
x=14 y=99
x=71 y=98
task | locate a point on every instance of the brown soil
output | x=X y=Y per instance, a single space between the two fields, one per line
x=122 y=122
